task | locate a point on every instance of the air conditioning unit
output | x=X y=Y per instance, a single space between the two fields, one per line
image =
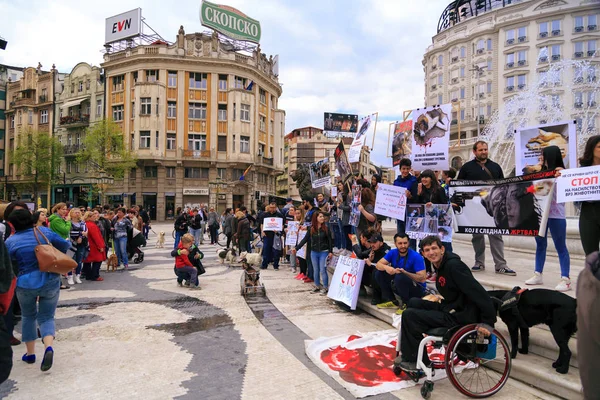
x=521 y=86
x=543 y=59
x=522 y=39
x=543 y=34
x=592 y=27
x=579 y=29
x=555 y=57
x=510 y=88
x=522 y=62
x=510 y=65
x=578 y=54
x=510 y=41
x=578 y=105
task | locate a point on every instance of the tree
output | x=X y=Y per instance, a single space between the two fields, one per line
x=104 y=150
x=38 y=154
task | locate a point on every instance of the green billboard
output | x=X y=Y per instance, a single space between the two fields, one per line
x=230 y=22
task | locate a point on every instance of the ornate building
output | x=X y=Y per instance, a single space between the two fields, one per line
x=7 y=74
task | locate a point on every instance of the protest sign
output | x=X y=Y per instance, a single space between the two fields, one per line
x=401 y=141
x=423 y=221
x=339 y=125
x=302 y=252
x=578 y=184
x=334 y=191
x=319 y=173
x=391 y=201
x=273 y=224
x=517 y=206
x=354 y=211
x=366 y=128
x=431 y=138
x=341 y=162
x=345 y=283
x=291 y=236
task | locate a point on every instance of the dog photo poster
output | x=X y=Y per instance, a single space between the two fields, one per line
x=431 y=137
x=319 y=173
x=366 y=129
x=401 y=141
x=531 y=141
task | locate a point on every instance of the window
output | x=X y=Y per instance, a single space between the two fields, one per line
x=240 y=83
x=555 y=51
x=591 y=48
x=198 y=80
x=192 y=173
x=244 y=144
x=171 y=109
x=171 y=141
x=43 y=116
x=261 y=150
x=222 y=82
x=222 y=173
x=272 y=127
x=151 y=75
x=462 y=114
x=463 y=52
x=272 y=102
x=87 y=84
x=440 y=79
x=510 y=36
x=440 y=98
x=522 y=33
x=150 y=172
x=172 y=79
x=12 y=122
x=489 y=110
x=522 y=81
x=489 y=87
x=117 y=83
x=157 y=104
x=98 y=108
x=221 y=143
x=263 y=123
x=510 y=60
x=233 y=144
x=146 y=107
x=30 y=117
x=579 y=49
x=234 y=111
x=156 y=140
x=579 y=24
x=489 y=44
x=171 y=172
x=510 y=82
x=489 y=65
x=462 y=72
x=480 y=45
x=462 y=93
x=592 y=22
x=556 y=27
x=522 y=57
x=222 y=112
x=440 y=60
x=80 y=87
x=197 y=111
x=144 y=139
x=245 y=112
x=69 y=166
x=543 y=29
x=263 y=96
x=197 y=142
x=578 y=96
x=72 y=88
x=117 y=113
x=132 y=109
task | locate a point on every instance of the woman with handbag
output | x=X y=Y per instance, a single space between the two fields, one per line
x=37 y=291
x=60 y=225
x=79 y=243
x=91 y=265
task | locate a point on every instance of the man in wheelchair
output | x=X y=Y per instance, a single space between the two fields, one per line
x=462 y=301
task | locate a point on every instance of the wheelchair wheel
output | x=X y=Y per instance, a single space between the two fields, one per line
x=491 y=362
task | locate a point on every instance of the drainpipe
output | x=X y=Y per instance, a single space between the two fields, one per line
x=54 y=77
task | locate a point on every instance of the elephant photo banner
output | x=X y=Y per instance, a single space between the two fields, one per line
x=530 y=142
x=366 y=129
x=431 y=138
x=342 y=166
x=319 y=173
x=402 y=141
x=517 y=206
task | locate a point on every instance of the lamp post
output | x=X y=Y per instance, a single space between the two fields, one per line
x=102 y=181
x=479 y=71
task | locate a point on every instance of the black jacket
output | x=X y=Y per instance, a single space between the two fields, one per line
x=464 y=297
x=182 y=222
x=430 y=196
x=195 y=222
x=321 y=241
x=360 y=251
x=473 y=171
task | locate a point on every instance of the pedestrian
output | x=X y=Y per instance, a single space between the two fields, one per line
x=366 y=207
x=182 y=261
x=290 y=216
x=242 y=235
x=145 y=221
x=269 y=252
x=181 y=225
x=97 y=254
x=37 y=291
x=301 y=261
x=228 y=225
x=79 y=243
x=589 y=217
x=342 y=203
x=121 y=230
x=481 y=168
x=407 y=181
x=7 y=294
x=195 y=228
x=39 y=218
x=213 y=225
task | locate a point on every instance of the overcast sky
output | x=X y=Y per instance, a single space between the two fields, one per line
x=353 y=56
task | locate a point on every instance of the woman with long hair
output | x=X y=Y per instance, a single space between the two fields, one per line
x=91 y=265
x=320 y=242
x=121 y=228
x=589 y=218
x=39 y=218
x=557 y=223
x=79 y=243
x=429 y=191
x=60 y=225
x=367 y=211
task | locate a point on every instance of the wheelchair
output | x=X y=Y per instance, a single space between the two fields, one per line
x=488 y=358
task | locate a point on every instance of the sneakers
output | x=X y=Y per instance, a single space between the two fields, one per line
x=78 y=278
x=315 y=290
x=506 y=271
x=387 y=305
x=400 y=310
x=375 y=301
x=431 y=278
x=478 y=268
x=324 y=291
x=307 y=280
x=300 y=276
x=194 y=287
x=180 y=284
x=70 y=280
x=564 y=285
x=536 y=279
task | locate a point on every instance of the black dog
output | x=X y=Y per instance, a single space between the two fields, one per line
x=522 y=309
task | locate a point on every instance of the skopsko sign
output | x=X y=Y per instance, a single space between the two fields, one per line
x=230 y=22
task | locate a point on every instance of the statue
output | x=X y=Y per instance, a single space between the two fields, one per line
x=302 y=178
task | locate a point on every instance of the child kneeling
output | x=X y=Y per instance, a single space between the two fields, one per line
x=187 y=261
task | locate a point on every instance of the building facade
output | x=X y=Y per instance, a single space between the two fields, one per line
x=198 y=114
x=487 y=51
x=7 y=74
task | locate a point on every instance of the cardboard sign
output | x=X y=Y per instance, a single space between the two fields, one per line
x=431 y=137
x=302 y=252
x=334 y=191
x=578 y=184
x=291 y=236
x=391 y=201
x=345 y=283
x=273 y=224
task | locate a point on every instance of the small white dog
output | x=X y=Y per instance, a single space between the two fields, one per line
x=251 y=258
x=160 y=242
x=228 y=255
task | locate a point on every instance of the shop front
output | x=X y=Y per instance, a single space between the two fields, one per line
x=193 y=197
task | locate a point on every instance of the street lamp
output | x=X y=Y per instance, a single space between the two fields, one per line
x=102 y=181
x=479 y=71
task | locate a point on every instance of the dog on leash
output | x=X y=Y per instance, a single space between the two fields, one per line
x=160 y=242
x=250 y=258
x=522 y=309
x=228 y=255
x=112 y=262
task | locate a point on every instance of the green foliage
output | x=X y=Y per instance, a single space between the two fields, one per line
x=104 y=150
x=38 y=154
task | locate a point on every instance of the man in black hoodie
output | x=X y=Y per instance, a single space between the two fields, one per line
x=464 y=302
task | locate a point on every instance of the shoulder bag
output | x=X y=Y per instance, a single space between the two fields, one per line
x=49 y=258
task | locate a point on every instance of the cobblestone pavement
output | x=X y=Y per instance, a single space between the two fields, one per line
x=139 y=335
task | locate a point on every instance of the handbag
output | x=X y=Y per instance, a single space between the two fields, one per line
x=49 y=258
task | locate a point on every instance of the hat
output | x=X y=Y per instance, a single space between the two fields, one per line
x=288 y=199
x=376 y=238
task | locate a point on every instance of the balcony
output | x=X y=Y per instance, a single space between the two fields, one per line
x=521 y=86
x=578 y=105
x=592 y=27
x=266 y=161
x=522 y=62
x=578 y=54
x=197 y=154
x=543 y=59
x=591 y=53
x=555 y=57
x=510 y=88
x=43 y=99
x=71 y=149
x=591 y=103
x=454 y=122
x=510 y=65
x=464 y=142
x=24 y=101
x=522 y=39
x=480 y=51
x=73 y=122
x=578 y=29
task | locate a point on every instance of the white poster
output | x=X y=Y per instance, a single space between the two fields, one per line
x=345 y=283
x=273 y=224
x=334 y=190
x=578 y=184
x=366 y=128
x=529 y=143
x=391 y=201
x=319 y=173
x=291 y=236
x=302 y=252
x=431 y=138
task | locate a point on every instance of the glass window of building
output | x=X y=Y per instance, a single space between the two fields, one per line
x=510 y=60
x=462 y=72
x=522 y=33
x=196 y=142
x=245 y=112
x=204 y=173
x=579 y=23
x=522 y=57
x=440 y=60
x=44 y=117
x=462 y=92
x=117 y=83
x=489 y=44
x=171 y=141
x=263 y=96
x=510 y=82
x=80 y=86
x=151 y=75
x=591 y=46
x=144 y=139
x=510 y=36
x=244 y=144
x=240 y=83
x=263 y=123
x=440 y=79
x=222 y=82
x=198 y=80
x=150 y=172
x=543 y=29
x=222 y=112
x=117 y=113
x=556 y=27
x=171 y=172
x=171 y=109
x=222 y=143
x=463 y=52
x=146 y=106
x=222 y=173
x=440 y=98
x=172 y=79
x=592 y=22
x=522 y=81
x=98 y=108
x=197 y=111
x=489 y=87
x=462 y=114
x=191 y=173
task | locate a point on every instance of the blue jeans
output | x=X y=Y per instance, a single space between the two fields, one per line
x=269 y=253
x=178 y=236
x=146 y=230
x=319 y=262
x=78 y=257
x=121 y=250
x=40 y=311
x=403 y=285
x=337 y=234
x=343 y=237
x=558 y=229
x=197 y=234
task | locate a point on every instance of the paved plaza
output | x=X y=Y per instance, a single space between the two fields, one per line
x=139 y=335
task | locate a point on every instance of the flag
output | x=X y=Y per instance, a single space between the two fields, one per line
x=245 y=172
x=250 y=85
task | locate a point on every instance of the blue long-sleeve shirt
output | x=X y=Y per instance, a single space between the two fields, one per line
x=21 y=247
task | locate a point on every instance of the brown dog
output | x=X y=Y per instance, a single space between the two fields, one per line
x=112 y=262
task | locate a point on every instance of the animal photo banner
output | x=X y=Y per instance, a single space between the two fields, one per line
x=530 y=142
x=345 y=283
x=434 y=219
x=431 y=138
x=342 y=166
x=319 y=173
x=401 y=143
x=340 y=125
x=366 y=128
x=517 y=206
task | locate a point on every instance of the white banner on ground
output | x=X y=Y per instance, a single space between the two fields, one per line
x=345 y=283
x=391 y=201
x=578 y=184
x=302 y=252
x=366 y=128
x=273 y=224
x=431 y=137
x=291 y=236
x=319 y=173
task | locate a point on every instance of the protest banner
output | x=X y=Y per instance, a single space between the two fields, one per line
x=342 y=165
x=529 y=143
x=431 y=137
x=291 y=236
x=273 y=224
x=517 y=206
x=302 y=252
x=355 y=202
x=366 y=128
x=340 y=125
x=391 y=201
x=423 y=221
x=334 y=191
x=319 y=173
x=578 y=184
x=345 y=283
x=401 y=141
